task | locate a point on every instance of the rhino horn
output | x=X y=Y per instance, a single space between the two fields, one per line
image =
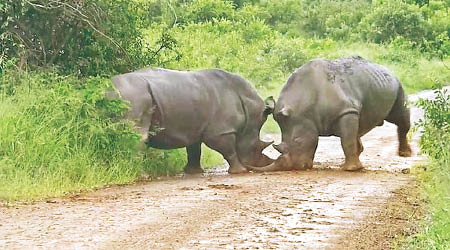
x=277 y=147
x=269 y=168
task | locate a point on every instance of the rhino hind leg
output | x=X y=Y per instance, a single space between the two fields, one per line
x=360 y=146
x=194 y=152
x=225 y=144
x=399 y=115
x=351 y=144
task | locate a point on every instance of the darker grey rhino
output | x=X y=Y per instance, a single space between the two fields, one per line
x=346 y=98
x=187 y=108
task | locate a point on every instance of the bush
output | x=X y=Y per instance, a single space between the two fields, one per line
x=391 y=19
x=400 y=51
x=284 y=15
x=291 y=53
x=435 y=177
x=56 y=138
x=436 y=126
x=208 y=10
x=256 y=30
x=333 y=18
x=88 y=37
x=252 y=13
x=437 y=40
x=241 y=3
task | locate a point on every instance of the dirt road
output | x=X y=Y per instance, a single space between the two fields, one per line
x=283 y=210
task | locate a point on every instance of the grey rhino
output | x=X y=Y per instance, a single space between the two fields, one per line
x=187 y=108
x=346 y=98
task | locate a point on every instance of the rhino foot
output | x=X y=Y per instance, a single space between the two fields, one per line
x=237 y=170
x=352 y=166
x=406 y=152
x=193 y=170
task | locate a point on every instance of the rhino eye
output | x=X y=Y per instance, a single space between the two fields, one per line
x=298 y=141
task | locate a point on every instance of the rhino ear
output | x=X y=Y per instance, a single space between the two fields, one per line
x=270 y=105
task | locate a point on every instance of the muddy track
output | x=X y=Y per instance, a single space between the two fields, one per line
x=311 y=209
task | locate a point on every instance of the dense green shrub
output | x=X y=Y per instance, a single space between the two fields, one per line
x=251 y=13
x=436 y=126
x=391 y=19
x=88 y=37
x=437 y=40
x=435 y=177
x=284 y=15
x=291 y=53
x=333 y=18
x=208 y=10
x=56 y=137
x=241 y=3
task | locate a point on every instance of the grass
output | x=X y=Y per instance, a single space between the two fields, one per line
x=435 y=176
x=435 y=228
x=57 y=138
x=53 y=142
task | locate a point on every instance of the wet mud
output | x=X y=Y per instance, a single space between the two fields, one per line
x=313 y=209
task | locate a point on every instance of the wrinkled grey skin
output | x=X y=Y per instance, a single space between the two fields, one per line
x=345 y=98
x=188 y=108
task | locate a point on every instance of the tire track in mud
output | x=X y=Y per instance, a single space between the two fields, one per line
x=281 y=210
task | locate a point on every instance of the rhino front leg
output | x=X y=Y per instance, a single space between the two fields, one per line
x=194 y=152
x=351 y=144
x=226 y=145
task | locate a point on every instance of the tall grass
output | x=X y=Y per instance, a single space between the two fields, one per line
x=60 y=135
x=55 y=140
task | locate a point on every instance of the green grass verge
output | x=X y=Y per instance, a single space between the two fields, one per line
x=435 y=228
x=435 y=177
x=59 y=135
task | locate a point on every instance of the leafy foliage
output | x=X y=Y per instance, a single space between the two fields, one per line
x=208 y=10
x=333 y=18
x=436 y=125
x=391 y=19
x=435 y=232
x=56 y=137
x=88 y=37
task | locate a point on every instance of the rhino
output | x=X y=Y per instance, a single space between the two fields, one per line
x=174 y=109
x=347 y=98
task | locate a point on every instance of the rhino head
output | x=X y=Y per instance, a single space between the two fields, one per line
x=299 y=140
x=249 y=146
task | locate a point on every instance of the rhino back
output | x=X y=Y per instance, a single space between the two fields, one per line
x=244 y=96
x=373 y=87
x=197 y=104
x=323 y=91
